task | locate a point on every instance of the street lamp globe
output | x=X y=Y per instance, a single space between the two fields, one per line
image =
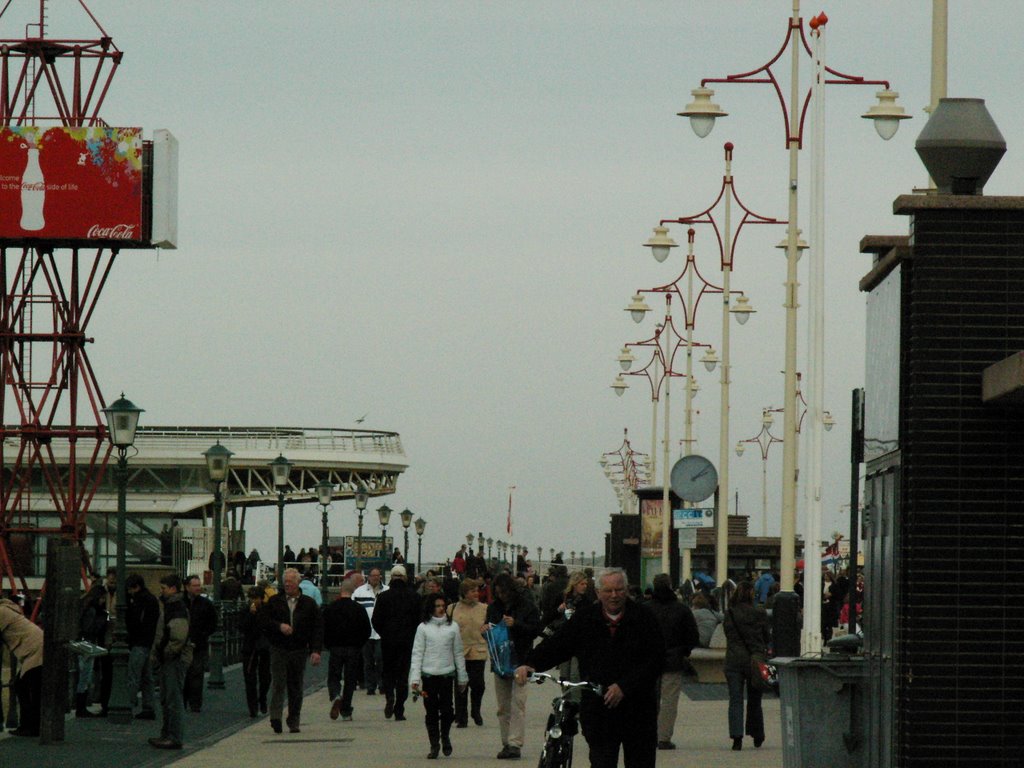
x=626 y=359
x=218 y=459
x=619 y=385
x=122 y=421
x=406 y=516
x=886 y=114
x=660 y=243
x=421 y=526
x=827 y=421
x=740 y=448
x=710 y=359
x=384 y=515
x=742 y=310
x=324 y=492
x=361 y=497
x=702 y=111
x=638 y=308
x=280 y=469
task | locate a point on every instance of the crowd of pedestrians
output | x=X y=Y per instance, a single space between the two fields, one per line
x=428 y=637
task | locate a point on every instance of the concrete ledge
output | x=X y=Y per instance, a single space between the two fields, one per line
x=1003 y=382
x=709 y=664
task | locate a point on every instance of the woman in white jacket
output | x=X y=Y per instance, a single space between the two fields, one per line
x=437 y=659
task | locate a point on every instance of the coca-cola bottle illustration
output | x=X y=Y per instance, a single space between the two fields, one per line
x=33 y=193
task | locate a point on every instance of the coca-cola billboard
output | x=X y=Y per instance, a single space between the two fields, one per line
x=61 y=183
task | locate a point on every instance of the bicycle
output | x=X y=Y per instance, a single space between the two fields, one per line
x=563 y=722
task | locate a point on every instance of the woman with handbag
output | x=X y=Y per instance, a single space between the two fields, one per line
x=746 y=637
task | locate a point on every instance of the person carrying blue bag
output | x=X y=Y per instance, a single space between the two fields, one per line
x=512 y=613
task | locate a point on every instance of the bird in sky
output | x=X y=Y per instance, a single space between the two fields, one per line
x=362 y=418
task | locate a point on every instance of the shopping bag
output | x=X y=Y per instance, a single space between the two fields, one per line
x=499 y=645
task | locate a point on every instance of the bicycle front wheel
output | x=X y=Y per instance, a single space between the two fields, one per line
x=557 y=753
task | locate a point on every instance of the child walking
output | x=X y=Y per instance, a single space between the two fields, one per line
x=437 y=659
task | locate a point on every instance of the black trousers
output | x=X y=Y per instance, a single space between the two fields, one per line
x=395 y=676
x=256 y=671
x=30 y=692
x=608 y=730
x=473 y=694
x=193 y=688
x=342 y=673
x=437 y=701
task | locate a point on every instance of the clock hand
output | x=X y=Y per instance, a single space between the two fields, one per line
x=701 y=473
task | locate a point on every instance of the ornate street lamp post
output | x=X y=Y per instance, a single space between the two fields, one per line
x=490 y=543
x=406 y=516
x=218 y=460
x=384 y=515
x=361 y=498
x=421 y=526
x=280 y=469
x=122 y=421
x=324 y=495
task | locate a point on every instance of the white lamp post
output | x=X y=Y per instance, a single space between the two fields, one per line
x=702 y=113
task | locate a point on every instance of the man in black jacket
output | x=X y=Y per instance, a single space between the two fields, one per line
x=679 y=629
x=140 y=620
x=346 y=629
x=395 y=617
x=202 y=622
x=619 y=645
x=513 y=607
x=295 y=629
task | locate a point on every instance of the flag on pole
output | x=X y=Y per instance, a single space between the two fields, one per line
x=508 y=521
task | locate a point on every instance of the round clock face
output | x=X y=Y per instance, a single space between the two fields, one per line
x=694 y=478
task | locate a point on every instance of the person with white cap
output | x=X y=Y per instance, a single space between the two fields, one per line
x=396 y=617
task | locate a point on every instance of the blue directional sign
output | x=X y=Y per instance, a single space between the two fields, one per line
x=695 y=517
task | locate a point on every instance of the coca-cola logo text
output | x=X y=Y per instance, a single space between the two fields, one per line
x=116 y=232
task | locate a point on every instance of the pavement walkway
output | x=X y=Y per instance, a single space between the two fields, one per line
x=223 y=736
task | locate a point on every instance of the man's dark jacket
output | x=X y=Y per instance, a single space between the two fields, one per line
x=678 y=627
x=307 y=623
x=552 y=595
x=397 y=613
x=202 y=621
x=525 y=621
x=632 y=659
x=345 y=624
x=141 y=617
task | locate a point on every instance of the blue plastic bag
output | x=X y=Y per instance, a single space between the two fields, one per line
x=499 y=645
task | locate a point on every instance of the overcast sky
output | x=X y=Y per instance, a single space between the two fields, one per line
x=432 y=214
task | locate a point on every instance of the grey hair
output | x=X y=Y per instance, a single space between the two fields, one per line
x=348 y=586
x=291 y=570
x=607 y=572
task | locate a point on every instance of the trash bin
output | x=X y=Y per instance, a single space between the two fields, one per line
x=823 y=717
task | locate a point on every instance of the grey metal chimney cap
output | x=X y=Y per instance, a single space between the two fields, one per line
x=960 y=146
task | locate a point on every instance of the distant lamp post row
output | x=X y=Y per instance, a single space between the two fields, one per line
x=122 y=421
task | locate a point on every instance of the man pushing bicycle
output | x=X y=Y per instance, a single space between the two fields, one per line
x=619 y=645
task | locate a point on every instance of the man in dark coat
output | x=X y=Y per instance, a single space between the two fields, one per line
x=552 y=594
x=619 y=645
x=395 y=617
x=140 y=620
x=346 y=629
x=514 y=607
x=170 y=658
x=295 y=629
x=679 y=629
x=202 y=622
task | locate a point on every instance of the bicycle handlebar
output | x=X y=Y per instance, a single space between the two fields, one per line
x=566 y=685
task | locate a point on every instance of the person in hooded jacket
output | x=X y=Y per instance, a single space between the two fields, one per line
x=679 y=630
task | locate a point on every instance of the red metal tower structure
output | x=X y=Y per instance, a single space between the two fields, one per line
x=49 y=391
